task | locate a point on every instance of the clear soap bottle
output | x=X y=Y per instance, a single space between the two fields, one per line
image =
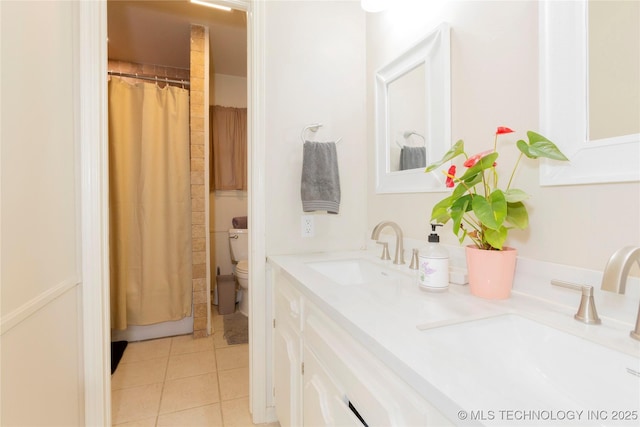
x=433 y=264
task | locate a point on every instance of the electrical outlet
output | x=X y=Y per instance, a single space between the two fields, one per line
x=307 y=226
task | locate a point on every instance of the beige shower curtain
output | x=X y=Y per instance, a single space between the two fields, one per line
x=150 y=203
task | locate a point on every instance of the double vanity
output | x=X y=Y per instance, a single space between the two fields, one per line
x=357 y=343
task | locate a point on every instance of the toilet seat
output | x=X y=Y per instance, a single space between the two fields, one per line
x=242 y=277
x=242 y=269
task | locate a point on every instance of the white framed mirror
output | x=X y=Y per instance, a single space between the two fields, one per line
x=413 y=115
x=571 y=84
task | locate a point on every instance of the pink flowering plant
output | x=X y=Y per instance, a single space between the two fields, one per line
x=477 y=206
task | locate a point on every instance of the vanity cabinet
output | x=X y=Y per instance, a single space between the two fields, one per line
x=324 y=400
x=324 y=377
x=287 y=347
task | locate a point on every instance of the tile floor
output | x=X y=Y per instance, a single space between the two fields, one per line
x=181 y=381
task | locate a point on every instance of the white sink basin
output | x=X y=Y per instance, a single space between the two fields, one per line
x=558 y=370
x=354 y=271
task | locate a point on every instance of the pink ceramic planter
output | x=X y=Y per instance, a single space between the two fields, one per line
x=491 y=272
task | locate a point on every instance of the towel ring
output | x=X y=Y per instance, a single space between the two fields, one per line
x=313 y=128
x=408 y=134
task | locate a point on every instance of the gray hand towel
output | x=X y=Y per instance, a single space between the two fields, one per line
x=413 y=158
x=320 y=186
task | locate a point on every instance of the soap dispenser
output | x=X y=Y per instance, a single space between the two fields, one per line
x=433 y=264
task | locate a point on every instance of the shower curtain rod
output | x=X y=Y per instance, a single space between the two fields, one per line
x=155 y=79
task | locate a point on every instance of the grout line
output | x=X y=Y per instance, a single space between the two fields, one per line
x=215 y=349
x=164 y=382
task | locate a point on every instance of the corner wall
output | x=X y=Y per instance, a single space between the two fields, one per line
x=315 y=63
x=199 y=186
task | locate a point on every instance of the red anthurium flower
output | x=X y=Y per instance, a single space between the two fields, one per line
x=476 y=158
x=503 y=129
x=451 y=173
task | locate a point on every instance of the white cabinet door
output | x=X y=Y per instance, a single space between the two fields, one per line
x=287 y=354
x=325 y=403
x=287 y=376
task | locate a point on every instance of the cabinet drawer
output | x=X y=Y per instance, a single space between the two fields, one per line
x=289 y=303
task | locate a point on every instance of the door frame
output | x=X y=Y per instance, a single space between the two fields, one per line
x=91 y=42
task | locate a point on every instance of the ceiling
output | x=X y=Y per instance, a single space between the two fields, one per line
x=158 y=32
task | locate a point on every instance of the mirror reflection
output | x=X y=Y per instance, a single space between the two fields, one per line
x=407 y=121
x=614 y=67
x=413 y=115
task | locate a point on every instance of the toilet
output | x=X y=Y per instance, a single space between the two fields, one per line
x=239 y=248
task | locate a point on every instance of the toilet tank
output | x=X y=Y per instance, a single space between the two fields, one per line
x=239 y=244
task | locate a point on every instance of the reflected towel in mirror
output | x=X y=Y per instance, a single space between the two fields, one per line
x=413 y=158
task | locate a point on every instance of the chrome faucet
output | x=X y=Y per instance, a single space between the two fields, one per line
x=375 y=234
x=587 y=310
x=615 y=276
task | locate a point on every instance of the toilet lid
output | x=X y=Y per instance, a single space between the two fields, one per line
x=242 y=267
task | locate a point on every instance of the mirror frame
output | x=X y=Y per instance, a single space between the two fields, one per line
x=564 y=104
x=434 y=52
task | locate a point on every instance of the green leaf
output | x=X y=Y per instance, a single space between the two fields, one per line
x=464 y=235
x=484 y=163
x=465 y=186
x=458 y=209
x=490 y=212
x=539 y=146
x=455 y=151
x=440 y=212
x=496 y=238
x=517 y=215
x=513 y=195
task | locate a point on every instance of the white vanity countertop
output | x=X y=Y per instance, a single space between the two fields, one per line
x=385 y=318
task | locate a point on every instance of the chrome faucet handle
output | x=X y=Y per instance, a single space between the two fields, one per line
x=614 y=278
x=385 y=251
x=587 y=311
x=414 y=260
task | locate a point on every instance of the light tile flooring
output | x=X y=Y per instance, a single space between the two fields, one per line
x=181 y=381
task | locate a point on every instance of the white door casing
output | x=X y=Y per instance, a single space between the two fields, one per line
x=92 y=62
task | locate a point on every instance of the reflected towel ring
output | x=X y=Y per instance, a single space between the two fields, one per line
x=313 y=128
x=407 y=134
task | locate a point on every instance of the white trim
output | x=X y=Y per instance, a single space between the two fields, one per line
x=21 y=313
x=564 y=104
x=92 y=57
x=260 y=395
x=94 y=157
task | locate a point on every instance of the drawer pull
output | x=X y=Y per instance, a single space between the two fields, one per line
x=357 y=414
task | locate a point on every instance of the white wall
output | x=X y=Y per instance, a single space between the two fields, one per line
x=494 y=63
x=228 y=91
x=315 y=67
x=41 y=346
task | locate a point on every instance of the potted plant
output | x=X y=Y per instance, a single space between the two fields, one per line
x=484 y=212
